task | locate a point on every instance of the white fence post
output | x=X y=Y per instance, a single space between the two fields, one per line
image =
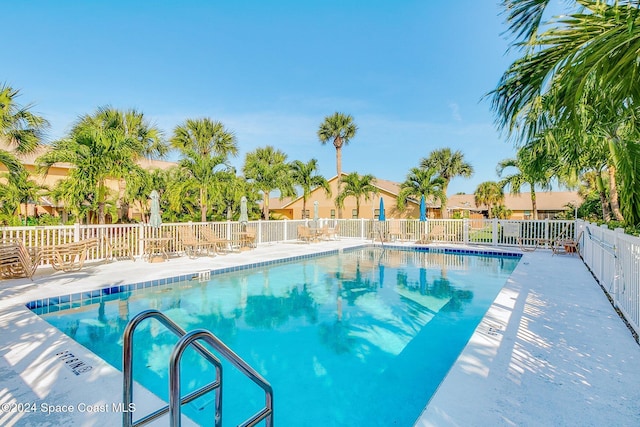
x=465 y=231
x=494 y=232
x=616 y=265
x=284 y=232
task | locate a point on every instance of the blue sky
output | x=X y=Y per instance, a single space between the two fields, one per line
x=412 y=73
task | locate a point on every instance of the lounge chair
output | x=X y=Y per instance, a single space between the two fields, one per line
x=193 y=245
x=68 y=256
x=16 y=261
x=395 y=232
x=437 y=233
x=220 y=244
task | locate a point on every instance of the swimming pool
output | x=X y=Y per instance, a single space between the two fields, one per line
x=361 y=338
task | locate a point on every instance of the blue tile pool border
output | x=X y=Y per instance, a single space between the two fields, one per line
x=52 y=304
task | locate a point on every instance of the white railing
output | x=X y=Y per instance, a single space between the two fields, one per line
x=470 y=232
x=612 y=256
x=614 y=259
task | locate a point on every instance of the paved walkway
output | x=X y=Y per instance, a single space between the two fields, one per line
x=551 y=350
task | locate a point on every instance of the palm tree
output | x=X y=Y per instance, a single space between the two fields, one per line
x=594 y=47
x=488 y=193
x=205 y=146
x=527 y=172
x=304 y=175
x=105 y=145
x=232 y=189
x=181 y=196
x=340 y=129
x=28 y=191
x=19 y=128
x=267 y=168
x=421 y=182
x=358 y=187
x=449 y=165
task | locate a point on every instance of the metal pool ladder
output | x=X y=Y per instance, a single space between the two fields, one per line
x=175 y=399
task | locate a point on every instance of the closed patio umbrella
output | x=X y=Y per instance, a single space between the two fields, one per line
x=155 y=220
x=244 y=217
x=423 y=209
x=381 y=217
x=315 y=213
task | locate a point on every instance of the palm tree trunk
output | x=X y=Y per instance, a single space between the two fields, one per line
x=338 y=144
x=203 y=205
x=606 y=212
x=101 y=215
x=534 y=204
x=265 y=205
x=443 y=204
x=613 y=194
x=124 y=212
x=304 y=207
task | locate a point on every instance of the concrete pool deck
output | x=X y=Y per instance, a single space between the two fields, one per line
x=550 y=351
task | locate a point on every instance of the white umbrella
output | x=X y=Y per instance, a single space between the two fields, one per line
x=155 y=220
x=244 y=218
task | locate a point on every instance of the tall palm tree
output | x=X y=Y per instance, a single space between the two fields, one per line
x=304 y=175
x=338 y=128
x=99 y=149
x=268 y=169
x=205 y=146
x=19 y=128
x=421 y=182
x=449 y=165
x=488 y=193
x=358 y=187
x=527 y=171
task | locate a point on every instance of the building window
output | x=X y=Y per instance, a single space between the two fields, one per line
x=306 y=213
x=333 y=214
x=354 y=214
x=376 y=213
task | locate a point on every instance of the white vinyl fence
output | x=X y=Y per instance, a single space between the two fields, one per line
x=614 y=259
x=612 y=256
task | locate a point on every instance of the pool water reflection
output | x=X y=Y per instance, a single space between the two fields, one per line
x=363 y=338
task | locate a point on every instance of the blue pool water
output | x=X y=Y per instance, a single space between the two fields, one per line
x=363 y=338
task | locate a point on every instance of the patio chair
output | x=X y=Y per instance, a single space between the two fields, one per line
x=250 y=238
x=566 y=245
x=16 y=261
x=333 y=231
x=118 y=246
x=511 y=233
x=305 y=234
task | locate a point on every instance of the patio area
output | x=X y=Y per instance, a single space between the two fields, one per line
x=550 y=351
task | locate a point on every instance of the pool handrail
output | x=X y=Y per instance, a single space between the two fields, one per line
x=190 y=338
x=127 y=371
